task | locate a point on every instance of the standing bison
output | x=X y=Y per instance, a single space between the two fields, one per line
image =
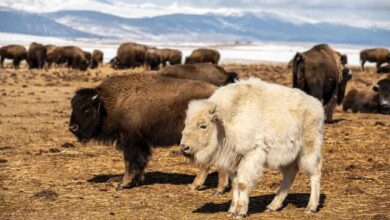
x=248 y=125
x=15 y=52
x=152 y=59
x=376 y=100
x=73 y=56
x=320 y=72
x=213 y=74
x=376 y=55
x=97 y=58
x=171 y=56
x=203 y=55
x=130 y=55
x=137 y=112
x=37 y=54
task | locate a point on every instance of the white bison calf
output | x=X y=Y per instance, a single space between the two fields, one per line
x=252 y=124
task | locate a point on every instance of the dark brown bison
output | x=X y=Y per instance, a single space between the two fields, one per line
x=171 y=56
x=152 y=59
x=376 y=55
x=136 y=112
x=130 y=55
x=15 y=52
x=88 y=57
x=203 y=55
x=37 y=54
x=73 y=56
x=213 y=74
x=384 y=69
x=97 y=58
x=320 y=73
x=375 y=100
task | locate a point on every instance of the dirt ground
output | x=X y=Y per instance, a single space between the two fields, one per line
x=46 y=174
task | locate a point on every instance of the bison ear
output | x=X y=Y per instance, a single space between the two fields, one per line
x=376 y=88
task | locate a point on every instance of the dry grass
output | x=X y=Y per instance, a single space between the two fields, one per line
x=46 y=174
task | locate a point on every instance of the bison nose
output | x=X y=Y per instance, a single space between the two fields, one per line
x=185 y=148
x=73 y=127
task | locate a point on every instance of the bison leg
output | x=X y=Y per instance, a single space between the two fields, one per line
x=363 y=62
x=136 y=157
x=329 y=108
x=378 y=65
x=249 y=170
x=16 y=63
x=289 y=174
x=223 y=182
x=200 y=178
x=2 y=61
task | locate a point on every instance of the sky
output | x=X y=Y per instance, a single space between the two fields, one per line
x=358 y=13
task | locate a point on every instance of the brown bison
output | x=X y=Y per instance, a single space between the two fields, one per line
x=130 y=55
x=152 y=59
x=384 y=69
x=375 y=100
x=136 y=112
x=171 y=56
x=97 y=58
x=15 y=52
x=376 y=55
x=213 y=74
x=88 y=57
x=203 y=55
x=37 y=54
x=320 y=72
x=73 y=56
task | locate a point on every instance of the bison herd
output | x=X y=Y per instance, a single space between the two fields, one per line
x=238 y=126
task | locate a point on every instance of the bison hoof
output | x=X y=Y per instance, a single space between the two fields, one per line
x=236 y=215
x=196 y=187
x=310 y=210
x=115 y=179
x=122 y=186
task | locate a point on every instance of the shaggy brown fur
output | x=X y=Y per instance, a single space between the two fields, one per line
x=204 y=72
x=320 y=72
x=203 y=55
x=130 y=55
x=15 y=52
x=37 y=54
x=97 y=58
x=376 y=55
x=365 y=101
x=74 y=56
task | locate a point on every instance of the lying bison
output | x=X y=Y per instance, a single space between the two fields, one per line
x=204 y=72
x=37 y=54
x=376 y=55
x=203 y=55
x=376 y=100
x=320 y=72
x=73 y=56
x=137 y=112
x=15 y=52
x=97 y=58
x=384 y=69
x=130 y=55
x=248 y=125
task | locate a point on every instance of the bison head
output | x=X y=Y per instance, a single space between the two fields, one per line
x=114 y=62
x=86 y=120
x=382 y=88
x=201 y=132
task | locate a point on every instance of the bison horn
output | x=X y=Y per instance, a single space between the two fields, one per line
x=376 y=88
x=213 y=110
x=94 y=97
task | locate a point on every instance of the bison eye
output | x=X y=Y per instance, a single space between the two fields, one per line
x=203 y=126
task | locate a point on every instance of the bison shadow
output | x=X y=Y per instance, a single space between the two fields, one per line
x=157 y=177
x=258 y=204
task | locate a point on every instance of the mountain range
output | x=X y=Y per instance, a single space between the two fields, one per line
x=180 y=27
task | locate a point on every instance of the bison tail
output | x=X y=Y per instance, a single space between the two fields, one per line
x=296 y=61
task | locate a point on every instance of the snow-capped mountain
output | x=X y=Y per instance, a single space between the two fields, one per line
x=180 y=27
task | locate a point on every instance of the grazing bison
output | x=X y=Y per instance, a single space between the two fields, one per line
x=204 y=72
x=248 y=125
x=171 y=56
x=97 y=58
x=152 y=59
x=37 y=54
x=88 y=57
x=73 y=56
x=376 y=100
x=15 y=52
x=203 y=55
x=320 y=72
x=376 y=55
x=384 y=69
x=130 y=55
x=137 y=112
